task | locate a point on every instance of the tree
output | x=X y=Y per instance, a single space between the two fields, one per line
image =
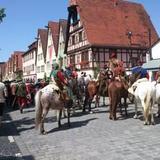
x=2 y=14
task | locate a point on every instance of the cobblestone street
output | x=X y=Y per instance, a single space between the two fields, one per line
x=91 y=137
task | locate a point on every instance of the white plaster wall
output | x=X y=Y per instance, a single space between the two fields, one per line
x=53 y=58
x=61 y=45
x=156 y=51
x=30 y=62
x=40 y=62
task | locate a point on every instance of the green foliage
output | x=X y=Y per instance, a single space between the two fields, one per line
x=2 y=14
x=19 y=75
x=45 y=76
x=96 y=71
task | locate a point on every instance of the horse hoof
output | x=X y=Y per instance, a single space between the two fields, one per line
x=135 y=117
x=21 y=111
x=43 y=133
x=158 y=115
x=110 y=117
x=146 y=123
x=152 y=123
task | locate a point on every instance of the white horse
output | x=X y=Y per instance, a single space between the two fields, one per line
x=158 y=97
x=47 y=98
x=145 y=92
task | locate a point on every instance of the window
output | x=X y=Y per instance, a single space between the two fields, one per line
x=73 y=39
x=80 y=36
x=72 y=59
x=42 y=68
x=76 y=38
x=38 y=69
x=84 y=59
x=134 y=61
x=32 y=67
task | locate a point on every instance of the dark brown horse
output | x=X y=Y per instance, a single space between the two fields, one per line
x=90 y=91
x=116 y=91
x=95 y=89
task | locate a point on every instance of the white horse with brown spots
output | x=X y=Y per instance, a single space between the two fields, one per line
x=47 y=98
x=145 y=92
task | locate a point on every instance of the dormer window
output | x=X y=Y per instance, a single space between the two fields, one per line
x=73 y=13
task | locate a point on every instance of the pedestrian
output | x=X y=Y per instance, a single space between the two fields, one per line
x=3 y=95
x=21 y=94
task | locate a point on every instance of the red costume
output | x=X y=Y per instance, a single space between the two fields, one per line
x=74 y=74
x=61 y=77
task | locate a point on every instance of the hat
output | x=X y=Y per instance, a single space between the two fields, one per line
x=70 y=65
x=55 y=65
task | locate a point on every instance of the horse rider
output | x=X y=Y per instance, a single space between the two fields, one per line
x=108 y=74
x=71 y=76
x=141 y=72
x=113 y=61
x=57 y=77
x=74 y=73
x=3 y=95
x=68 y=71
x=116 y=66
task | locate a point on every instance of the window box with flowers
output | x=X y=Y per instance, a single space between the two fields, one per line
x=84 y=64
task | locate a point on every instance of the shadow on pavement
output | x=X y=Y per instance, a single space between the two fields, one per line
x=16 y=158
x=73 y=125
x=24 y=121
x=8 y=128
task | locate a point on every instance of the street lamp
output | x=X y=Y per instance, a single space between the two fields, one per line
x=129 y=34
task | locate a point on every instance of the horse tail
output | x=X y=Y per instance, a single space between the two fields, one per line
x=149 y=102
x=38 y=108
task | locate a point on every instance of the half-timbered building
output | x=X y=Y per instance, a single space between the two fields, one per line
x=41 y=53
x=29 y=61
x=52 y=46
x=96 y=28
x=61 y=57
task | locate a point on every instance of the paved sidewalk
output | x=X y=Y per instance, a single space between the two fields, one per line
x=8 y=147
x=91 y=137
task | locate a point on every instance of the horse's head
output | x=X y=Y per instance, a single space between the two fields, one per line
x=133 y=78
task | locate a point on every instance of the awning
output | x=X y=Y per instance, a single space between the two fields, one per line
x=152 y=65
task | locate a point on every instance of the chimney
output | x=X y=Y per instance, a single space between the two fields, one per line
x=115 y=2
x=72 y=2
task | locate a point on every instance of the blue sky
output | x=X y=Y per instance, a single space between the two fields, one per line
x=24 y=17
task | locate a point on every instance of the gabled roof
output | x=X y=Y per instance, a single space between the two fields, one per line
x=43 y=36
x=108 y=22
x=54 y=26
x=31 y=47
x=18 y=52
x=156 y=42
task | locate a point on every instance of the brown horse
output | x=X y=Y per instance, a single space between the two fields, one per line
x=95 y=88
x=116 y=91
x=90 y=92
x=51 y=98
